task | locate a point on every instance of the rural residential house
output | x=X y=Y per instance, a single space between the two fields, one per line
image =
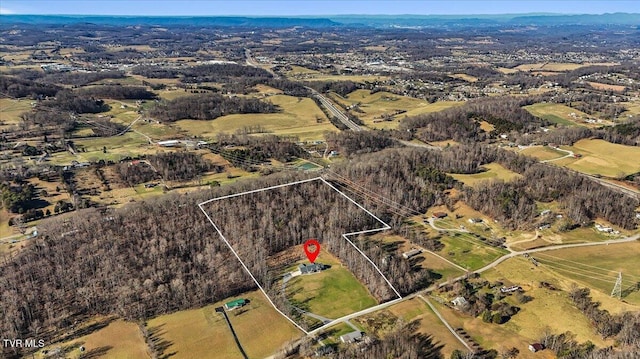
x=458 y=301
x=351 y=337
x=310 y=268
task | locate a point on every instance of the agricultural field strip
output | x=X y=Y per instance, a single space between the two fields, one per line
x=385 y=227
x=591 y=271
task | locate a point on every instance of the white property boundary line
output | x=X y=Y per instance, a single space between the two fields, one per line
x=385 y=227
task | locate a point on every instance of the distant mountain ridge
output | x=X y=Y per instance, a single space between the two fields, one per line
x=168 y=20
x=538 y=19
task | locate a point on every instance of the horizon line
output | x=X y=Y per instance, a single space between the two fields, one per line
x=333 y=15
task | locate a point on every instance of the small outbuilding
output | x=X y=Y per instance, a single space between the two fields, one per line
x=234 y=304
x=411 y=253
x=439 y=215
x=536 y=347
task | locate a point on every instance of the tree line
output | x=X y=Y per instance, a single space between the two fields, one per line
x=118 y=92
x=208 y=107
x=181 y=166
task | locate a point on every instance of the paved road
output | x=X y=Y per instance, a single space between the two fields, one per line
x=253 y=63
x=334 y=110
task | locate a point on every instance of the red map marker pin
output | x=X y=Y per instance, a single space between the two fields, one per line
x=312 y=255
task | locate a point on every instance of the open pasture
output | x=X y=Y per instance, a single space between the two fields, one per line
x=203 y=333
x=299 y=117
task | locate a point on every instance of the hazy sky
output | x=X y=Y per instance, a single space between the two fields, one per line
x=311 y=7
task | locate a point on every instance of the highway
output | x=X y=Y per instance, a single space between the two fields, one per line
x=334 y=110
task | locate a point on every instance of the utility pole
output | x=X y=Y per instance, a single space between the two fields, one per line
x=617 y=288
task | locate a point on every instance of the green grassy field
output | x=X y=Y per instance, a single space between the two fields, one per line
x=494 y=172
x=203 y=333
x=556 y=113
x=605 y=158
x=118 y=340
x=298 y=118
x=118 y=147
x=332 y=293
x=463 y=250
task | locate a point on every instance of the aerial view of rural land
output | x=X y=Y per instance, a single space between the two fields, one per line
x=319 y=179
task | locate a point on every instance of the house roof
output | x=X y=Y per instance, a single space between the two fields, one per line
x=537 y=346
x=313 y=267
x=411 y=253
x=235 y=303
x=349 y=337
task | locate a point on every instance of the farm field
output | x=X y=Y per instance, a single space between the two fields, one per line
x=465 y=77
x=494 y=171
x=534 y=316
x=10 y=111
x=605 y=158
x=92 y=149
x=299 y=118
x=116 y=339
x=385 y=103
x=543 y=153
x=469 y=253
x=203 y=333
x=606 y=87
x=559 y=114
x=306 y=74
x=598 y=267
x=558 y=66
x=332 y=293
